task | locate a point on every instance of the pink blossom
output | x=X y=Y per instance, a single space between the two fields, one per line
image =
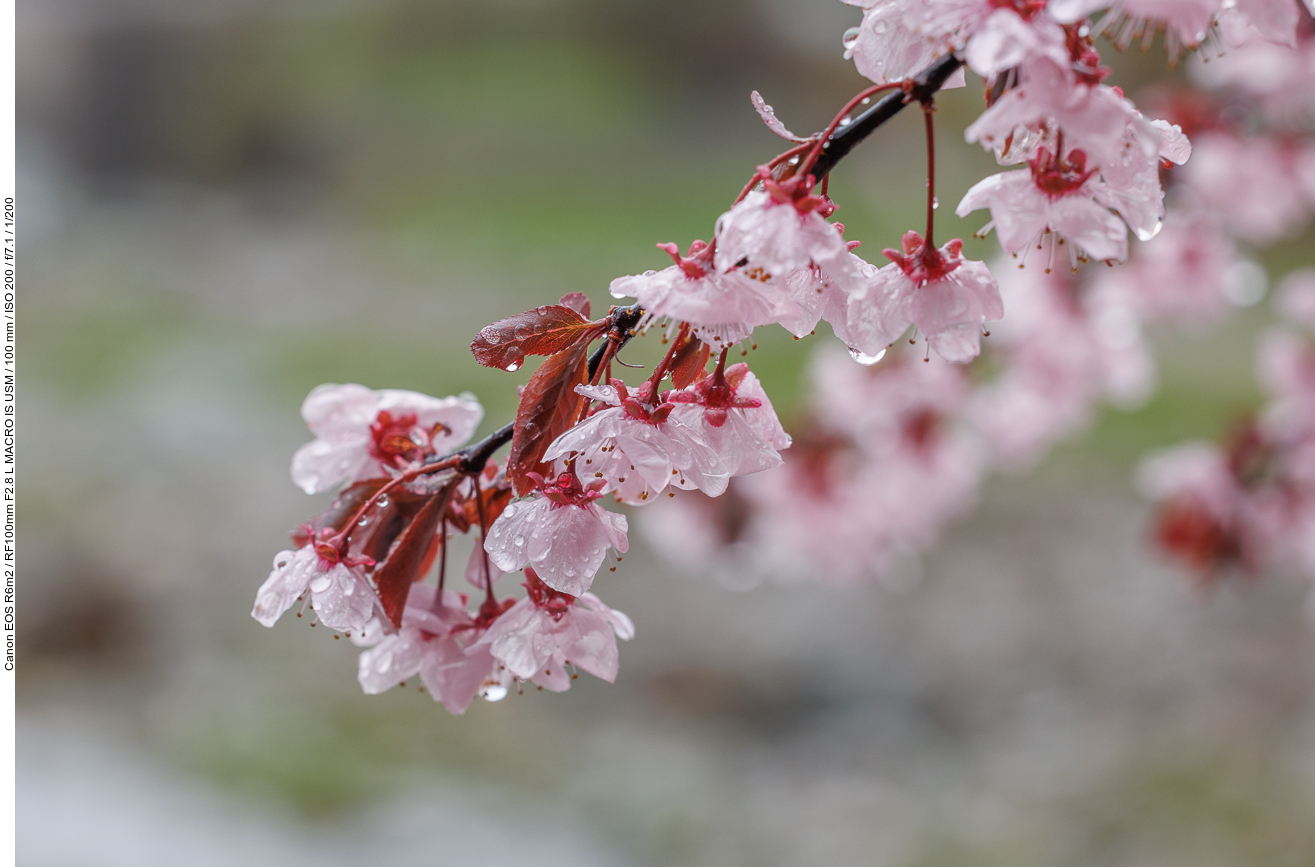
x=778 y=230
x=1286 y=367
x=947 y=297
x=634 y=449
x=1180 y=277
x=731 y=413
x=1250 y=184
x=361 y=433
x=884 y=47
x=1060 y=352
x=342 y=598
x=1005 y=39
x=1273 y=20
x=1276 y=76
x=726 y=306
x=1187 y=20
x=1055 y=196
x=429 y=643
x=547 y=630
x=1093 y=118
x=560 y=531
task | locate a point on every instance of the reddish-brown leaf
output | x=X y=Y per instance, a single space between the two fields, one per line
x=399 y=570
x=542 y=331
x=690 y=362
x=549 y=406
x=577 y=301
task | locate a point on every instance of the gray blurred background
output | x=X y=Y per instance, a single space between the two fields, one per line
x=224 y=204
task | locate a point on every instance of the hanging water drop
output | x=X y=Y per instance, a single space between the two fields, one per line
x=865 y=359
x=513 y=367
x=935 y=202
x=849 y=38
x=493 y=692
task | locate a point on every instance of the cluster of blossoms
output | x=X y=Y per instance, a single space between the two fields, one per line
x=1250 y=505
x=897 y=444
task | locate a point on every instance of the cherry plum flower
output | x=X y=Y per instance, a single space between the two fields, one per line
x=341 y=597
x=946 y=296
x=732 y=414
x=1187 y=21
x=538 y=636
x=430 y=643
x=1250 y=184
x=1056 y=196
x=1061 y=352
x=1094 y=118
x=634 y=450
x=725 y=306
x=1202 y=514
x=778 y=230
x=361 y=433
x=884 y=47
x=560 y=531
x=1183 y=276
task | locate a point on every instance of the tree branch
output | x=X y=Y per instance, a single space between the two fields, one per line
x=924 y=85
x=626 y=319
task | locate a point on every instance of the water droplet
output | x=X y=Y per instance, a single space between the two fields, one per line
x=510 y=510
x=880 y=27
x=513 y=367
x=864 y=358
x=383 y=502
x=491 y=336
x=844 y=121
x=1144 y=235
x=493 y=692
x=320 y=584
x=849 y=38
x=935 y=202
x=649 y=273
x=518 y=541
x=865 y=101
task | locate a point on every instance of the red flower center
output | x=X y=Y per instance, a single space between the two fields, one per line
x=1058 y=176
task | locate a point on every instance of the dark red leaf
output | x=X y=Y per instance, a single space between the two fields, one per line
x=338 y=514
x=690 y=362
x=405 y=562
x=577 y=301
x=541 y=331
x=549 y=406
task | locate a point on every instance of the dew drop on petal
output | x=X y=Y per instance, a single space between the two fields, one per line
x=1145 y=235
x=320 y=584
x=864 y=358
x=493 y=692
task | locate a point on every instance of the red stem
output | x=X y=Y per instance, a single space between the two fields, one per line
x=665 y=364
x=449 y=463
x=775 y=161
x=835 y=122
x=928 y=109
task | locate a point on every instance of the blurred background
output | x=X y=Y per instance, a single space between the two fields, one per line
x=224 y=204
